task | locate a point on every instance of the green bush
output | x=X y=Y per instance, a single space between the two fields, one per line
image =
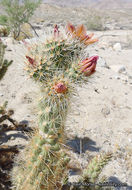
x=95 y=22
x=19 y=12
x=3 y=20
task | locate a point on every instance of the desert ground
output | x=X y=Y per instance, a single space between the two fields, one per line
x=101 y=114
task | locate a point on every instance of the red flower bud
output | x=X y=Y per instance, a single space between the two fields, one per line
x=56 y=31
x=31 y=60
x=60 y=88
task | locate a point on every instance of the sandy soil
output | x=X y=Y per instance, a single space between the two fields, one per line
x=101 y=113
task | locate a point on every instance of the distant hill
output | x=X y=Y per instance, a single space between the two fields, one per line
x=113 y=4
x=101 y=4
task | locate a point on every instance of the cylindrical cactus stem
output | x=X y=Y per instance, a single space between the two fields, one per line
x=45 y=165
x=2 y=52
x=3 y=62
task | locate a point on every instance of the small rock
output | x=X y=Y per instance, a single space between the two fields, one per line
x=12 y=138
x=117 y=77
x=124 y=79
x=124 y=72
x=8 y=49
x=102 y=63
x=102 y=48
x=13 y=95
x=76 y=113
x=105 y=87
x=37 y=27
x=26 y=41
x=110 y=119
x=96 y=90
x=105 y=111
x=118 y=68
x=117 y=47
x=130 y=76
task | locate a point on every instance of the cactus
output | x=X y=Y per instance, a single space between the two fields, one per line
x=59 y=52
x=4 y=31
x=6 y=115
x=3 y=108
x=3 y=63
x=45 y=161
x=54 y=63
x=56 y=53
x=92 y=172
x=2 y=52
x=55 y=56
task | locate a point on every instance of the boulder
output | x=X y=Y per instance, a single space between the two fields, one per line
x=26 y=32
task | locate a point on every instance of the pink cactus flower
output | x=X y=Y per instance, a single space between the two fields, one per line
x=88 y=65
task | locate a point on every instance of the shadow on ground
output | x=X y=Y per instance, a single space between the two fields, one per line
x=81 y=145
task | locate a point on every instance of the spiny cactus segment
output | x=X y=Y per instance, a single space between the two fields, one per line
x=54 y=56
x=2 y=52
x=4 y=31
x=44 y=167
x=3 y=108
x=3 y=63
x=57 y=53
x=92 y=172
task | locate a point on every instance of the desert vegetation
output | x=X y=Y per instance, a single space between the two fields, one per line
x=18 y=13
x=3 y=62
x=56 y=64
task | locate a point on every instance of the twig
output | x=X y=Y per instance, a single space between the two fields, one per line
x=81 y=146
x=6 y=117
x=7 y=148
x=33 y=29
